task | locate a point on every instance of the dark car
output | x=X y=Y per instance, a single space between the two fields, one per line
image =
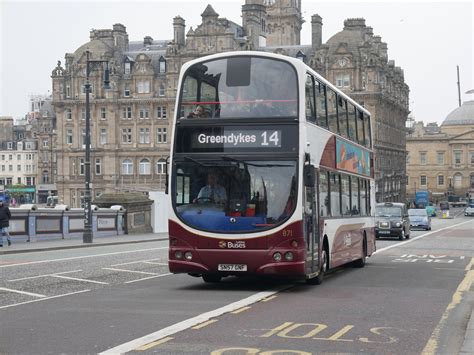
x=419 y=218
x=391 y=220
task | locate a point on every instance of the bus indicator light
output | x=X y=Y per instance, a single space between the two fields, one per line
x=294 y=244
x=289 y=256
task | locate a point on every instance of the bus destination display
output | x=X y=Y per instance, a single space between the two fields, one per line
x=239 y=139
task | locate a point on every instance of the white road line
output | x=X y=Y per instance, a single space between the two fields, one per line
x=419 y=237
x=78 y=279
x=81 y=257
x=45 y=275
x=43 y=299
x=188 y=323
x=132 y=271
x=135 y=262
x=147 y=278
x=22 y=292
x=155 y=263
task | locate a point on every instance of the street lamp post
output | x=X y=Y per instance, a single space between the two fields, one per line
x=90 y=64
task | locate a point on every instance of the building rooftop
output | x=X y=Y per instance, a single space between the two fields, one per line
x=463 y=115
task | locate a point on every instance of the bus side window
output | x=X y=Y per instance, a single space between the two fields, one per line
x=321 y=118
x=342 y=116
x=345 y=195
x=182 y=187
x=368 y=131
x=355 y=201
x=310 y=108
x=352 y=118
x=363 y=197
x=335 y=195
x=332 y=111
x=324 y=202
x=360 y=127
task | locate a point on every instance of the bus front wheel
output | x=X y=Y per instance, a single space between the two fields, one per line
x=318 y=280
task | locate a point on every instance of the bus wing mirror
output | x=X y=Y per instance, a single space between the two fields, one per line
x=167 y=176
x=309 y=175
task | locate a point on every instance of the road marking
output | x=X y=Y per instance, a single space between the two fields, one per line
x=135 y=262
x=205 y=324
x=449 y=268
x=22 y=292
x=191 y=322
x=155 y=343
x=131 y=271
x=432 y=344
x=43 y=299
x=243 y=309
x=78 y=279
x=45 y=275
x=155 y=263
x=81 y=257
x=147 y=278
x=268 y=298
x=416 y=238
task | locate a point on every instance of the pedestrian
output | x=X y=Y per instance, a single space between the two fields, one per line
x=5 y=216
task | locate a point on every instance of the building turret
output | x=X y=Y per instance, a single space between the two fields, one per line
x=179 y=26
x=254 y=18
x=316 y=31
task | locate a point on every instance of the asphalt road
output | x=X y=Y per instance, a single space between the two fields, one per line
x=123 y=298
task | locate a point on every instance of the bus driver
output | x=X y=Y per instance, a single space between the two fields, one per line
x=212 y=192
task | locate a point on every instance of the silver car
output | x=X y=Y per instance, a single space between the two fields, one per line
x=419 y=218
x=469 y=211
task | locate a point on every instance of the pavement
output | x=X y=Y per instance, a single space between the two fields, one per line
x=468 y=345
x=20 y=245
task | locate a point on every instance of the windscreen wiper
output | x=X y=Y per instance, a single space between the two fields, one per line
x=225 y=157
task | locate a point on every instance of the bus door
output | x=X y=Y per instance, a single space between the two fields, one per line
x=311 y=227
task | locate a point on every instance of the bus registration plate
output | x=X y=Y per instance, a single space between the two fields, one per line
x=232 y=267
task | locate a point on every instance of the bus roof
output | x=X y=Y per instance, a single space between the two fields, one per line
x=298 y=64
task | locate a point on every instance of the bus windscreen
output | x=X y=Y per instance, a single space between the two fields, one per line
x=239 y=87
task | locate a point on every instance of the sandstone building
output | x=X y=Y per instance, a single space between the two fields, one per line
x=131 y=122
x=441 y=158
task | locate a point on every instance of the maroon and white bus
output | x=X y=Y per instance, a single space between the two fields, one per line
x=271 y=171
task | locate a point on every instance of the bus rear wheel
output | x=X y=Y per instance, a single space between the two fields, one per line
x=211 y=278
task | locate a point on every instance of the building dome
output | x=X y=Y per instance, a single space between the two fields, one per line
x=353 y=35
x=98 y=48
x=463 y=115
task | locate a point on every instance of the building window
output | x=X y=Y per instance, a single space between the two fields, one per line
x=144 y=113
x=127 y=167
x=161 y=92
x=69 y=136
x=68 y=114
x=472 y=157
x=422 y=158
x=103 y=113
x=127 y=68
x=83 y=113
x=440 y=158
x=162 y=65
x=143 y=87
x=10 y=145
x=423 y=180
x=145 y=167
x=83 y=137
x=161 y=167
x=126 y=135
x=103 y=136
x=126 y=90
x=161 y=112
x=98 y=166
x=127 y=113
x=144 y=135
x=68 y=91
x=18 y=167
x=457 y=180
x=44 y=177
x=18 y=157
x=81 y=166
x=457 y=158
x=342 y=80
x=161 y=135
x=440 y=180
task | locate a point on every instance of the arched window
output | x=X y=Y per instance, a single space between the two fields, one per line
x=162 y=65
x=45 y=177
x=145 y=167
x=127 y=167
x=161 y=166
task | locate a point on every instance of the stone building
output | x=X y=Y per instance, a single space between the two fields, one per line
x=130 y=123
x=441 y=158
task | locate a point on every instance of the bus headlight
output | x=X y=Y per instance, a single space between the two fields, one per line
x=289 y=256
x=188 y=256
x=277 y=257
x=398 y=224
x=178 y=254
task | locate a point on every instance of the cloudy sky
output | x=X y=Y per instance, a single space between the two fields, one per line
x=426 y=39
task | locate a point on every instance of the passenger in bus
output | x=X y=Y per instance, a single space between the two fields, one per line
x=212 y=192
x=199 y=112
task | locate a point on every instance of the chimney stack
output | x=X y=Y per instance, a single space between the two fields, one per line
x=316 y=31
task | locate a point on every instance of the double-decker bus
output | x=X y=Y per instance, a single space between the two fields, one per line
x=271 y=171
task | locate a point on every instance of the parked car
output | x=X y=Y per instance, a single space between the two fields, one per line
x=469 y=211
x=419 y=218
x=391 y=220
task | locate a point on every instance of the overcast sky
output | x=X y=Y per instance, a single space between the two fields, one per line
x=426 y=39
